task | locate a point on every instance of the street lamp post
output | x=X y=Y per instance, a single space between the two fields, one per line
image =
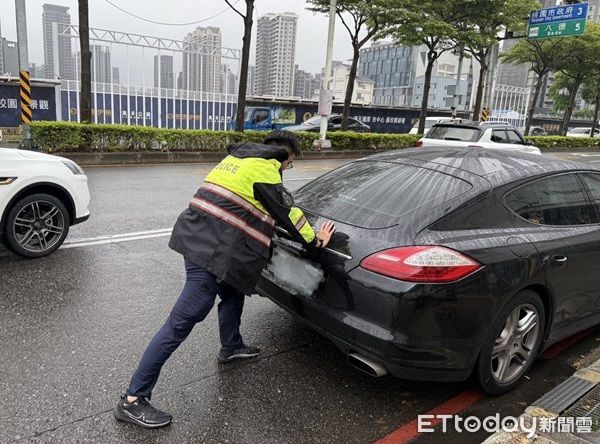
x=326 y=96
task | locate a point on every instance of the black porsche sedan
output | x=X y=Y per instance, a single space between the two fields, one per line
x=447 y=262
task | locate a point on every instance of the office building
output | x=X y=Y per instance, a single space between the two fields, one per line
x=275 y=54
x=60 y=15
x=10 y=57
x=36 y=71
x=399 y=75
x=202 y=60
x=163 y=72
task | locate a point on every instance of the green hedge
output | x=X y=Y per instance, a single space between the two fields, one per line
x=546 y=142
x=61 y=137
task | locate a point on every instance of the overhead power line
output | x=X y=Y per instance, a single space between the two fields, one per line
x=170 y=24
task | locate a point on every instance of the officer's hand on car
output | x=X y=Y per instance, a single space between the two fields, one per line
x=324 y=234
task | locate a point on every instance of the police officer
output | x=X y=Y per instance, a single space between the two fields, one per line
x=225 y=237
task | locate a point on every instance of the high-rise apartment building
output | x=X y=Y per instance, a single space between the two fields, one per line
x=275 y=54
x=202 y=60
x=229 y=80
x=116 y=75
x=303 y=82
x=251 y=87
x=57 y=14
x=101 y=64
x=163 y=72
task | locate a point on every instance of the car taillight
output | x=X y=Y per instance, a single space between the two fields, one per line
x=419 y=144
x=426 y=264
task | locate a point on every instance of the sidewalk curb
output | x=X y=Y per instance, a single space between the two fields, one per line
x=173 y=157
x=547 y=406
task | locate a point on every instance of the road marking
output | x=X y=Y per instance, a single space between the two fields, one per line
x=117 y=238
x=410 y=430
x=563 y=345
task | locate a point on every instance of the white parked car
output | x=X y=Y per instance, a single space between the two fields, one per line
x=41 y=196
x=582 y=132
x=475 y=135
x=429 y=122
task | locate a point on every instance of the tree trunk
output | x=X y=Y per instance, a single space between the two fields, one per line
x=350 y=88
x=480 y=87
x=532 y=106
x=243 y=86
x=596 y=110
x=569 y=111
x=85 y=99
x=426 y=87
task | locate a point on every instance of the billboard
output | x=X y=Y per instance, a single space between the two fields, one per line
x=151 y=111
x=43 y=104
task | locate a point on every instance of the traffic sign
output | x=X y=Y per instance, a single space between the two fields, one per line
x=560 y=21
x=557 y=29
x=559 y=14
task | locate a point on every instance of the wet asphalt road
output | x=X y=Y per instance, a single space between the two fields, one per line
x=74 y=325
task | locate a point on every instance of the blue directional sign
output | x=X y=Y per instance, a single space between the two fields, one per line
x=576 y=11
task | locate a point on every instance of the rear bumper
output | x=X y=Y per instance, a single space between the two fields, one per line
x=407 y=356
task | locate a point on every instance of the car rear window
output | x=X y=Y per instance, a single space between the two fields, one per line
x=372 y=194
x=458 y=133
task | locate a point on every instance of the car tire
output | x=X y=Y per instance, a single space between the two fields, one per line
x=512 y=344
x=41 y=218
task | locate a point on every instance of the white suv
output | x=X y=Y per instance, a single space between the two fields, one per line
x=474 y=135
x=41 y=196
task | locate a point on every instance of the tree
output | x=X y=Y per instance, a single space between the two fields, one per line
x=560 y=85
x=591 y=94
x=361 y=18
x=544 y=56
x=581 y=61
x=486 y=20
x=424 y=22
x=85 y=99
x=246 y=40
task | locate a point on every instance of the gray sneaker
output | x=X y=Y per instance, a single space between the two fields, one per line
x=229 y=354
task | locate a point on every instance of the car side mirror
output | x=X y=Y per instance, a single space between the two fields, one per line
x=529 y=143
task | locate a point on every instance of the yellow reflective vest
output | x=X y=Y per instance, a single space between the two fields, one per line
x=228 y=226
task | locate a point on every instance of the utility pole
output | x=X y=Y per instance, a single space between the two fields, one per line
x=22 y=35
x=326 y=96
x=24 y=78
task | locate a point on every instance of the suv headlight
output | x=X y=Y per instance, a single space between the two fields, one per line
x=75 y=169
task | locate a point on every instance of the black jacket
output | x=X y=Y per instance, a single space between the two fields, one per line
x=209 y=239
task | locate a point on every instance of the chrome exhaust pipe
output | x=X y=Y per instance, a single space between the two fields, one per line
x=366 y=365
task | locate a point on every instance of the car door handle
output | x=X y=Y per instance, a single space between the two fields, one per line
x=559 y=259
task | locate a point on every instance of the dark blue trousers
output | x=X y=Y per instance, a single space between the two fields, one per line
x=194 y=304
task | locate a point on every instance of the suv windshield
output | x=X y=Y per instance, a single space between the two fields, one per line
x=453 y=132
x=372 y=194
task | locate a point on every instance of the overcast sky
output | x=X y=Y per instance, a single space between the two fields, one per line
x=310 y=44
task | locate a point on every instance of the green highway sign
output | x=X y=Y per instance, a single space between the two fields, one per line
x=557 y=29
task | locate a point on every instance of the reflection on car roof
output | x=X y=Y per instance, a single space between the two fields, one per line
x=496 y=165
